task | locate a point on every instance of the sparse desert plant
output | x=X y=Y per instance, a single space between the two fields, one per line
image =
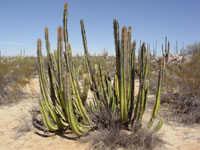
x=166 y=52
x=182 y=85
x=193 y=49
x=24 y=126
x=107 y=63
x=116 y=139
x=15 y=73
x=62 y=103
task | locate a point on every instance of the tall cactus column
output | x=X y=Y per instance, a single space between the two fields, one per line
x=61 y=106
x=70 y=68
x=167 y=50
x=123 y=95
x=157 y=100
x=62 y=102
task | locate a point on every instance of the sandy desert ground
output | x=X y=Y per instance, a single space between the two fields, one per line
x=17 y=132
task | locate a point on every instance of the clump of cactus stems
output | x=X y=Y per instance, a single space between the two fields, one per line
x=166 y=52
x=63 y=105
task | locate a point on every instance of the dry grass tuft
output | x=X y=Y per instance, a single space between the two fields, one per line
x=24 y=126
x=116 y=139
x=110 y=134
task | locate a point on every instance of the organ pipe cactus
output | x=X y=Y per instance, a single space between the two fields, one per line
x=176 y=48
x=122 y=90
x=62 y=103
x=157 y=100
x=166 y=53
x=155 y=50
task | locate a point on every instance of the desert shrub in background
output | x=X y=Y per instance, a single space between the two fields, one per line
x=15 y=73
x=107 y=63
x=193 y=50
x=182 y=83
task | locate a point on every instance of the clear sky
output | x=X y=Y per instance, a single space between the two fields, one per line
x=22 y=22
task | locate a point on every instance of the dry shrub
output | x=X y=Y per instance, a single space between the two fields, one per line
x=110 y=134
x=104 y=119
x=37 y=121
x=24 y=126
x=116 y=139
x=15 y=73
x=107 y=63
x=183 y=89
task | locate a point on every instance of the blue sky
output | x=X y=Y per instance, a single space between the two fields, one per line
x=22 y=22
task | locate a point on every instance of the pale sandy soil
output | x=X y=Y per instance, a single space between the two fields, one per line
x=17 y=132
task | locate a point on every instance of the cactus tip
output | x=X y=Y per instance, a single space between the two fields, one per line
x=134 y=42
x=124 y=33
x=115 y=22
x=144 y=47
x=66 y=5
x=46 y=33
x=39 y=44
x=129 y=28
x=39 y=41
x=60 y=33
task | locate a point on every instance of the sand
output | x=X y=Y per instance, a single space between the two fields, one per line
x=17 y=132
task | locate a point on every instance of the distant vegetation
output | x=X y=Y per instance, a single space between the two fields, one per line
x=182 y=83
x=15 y=73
